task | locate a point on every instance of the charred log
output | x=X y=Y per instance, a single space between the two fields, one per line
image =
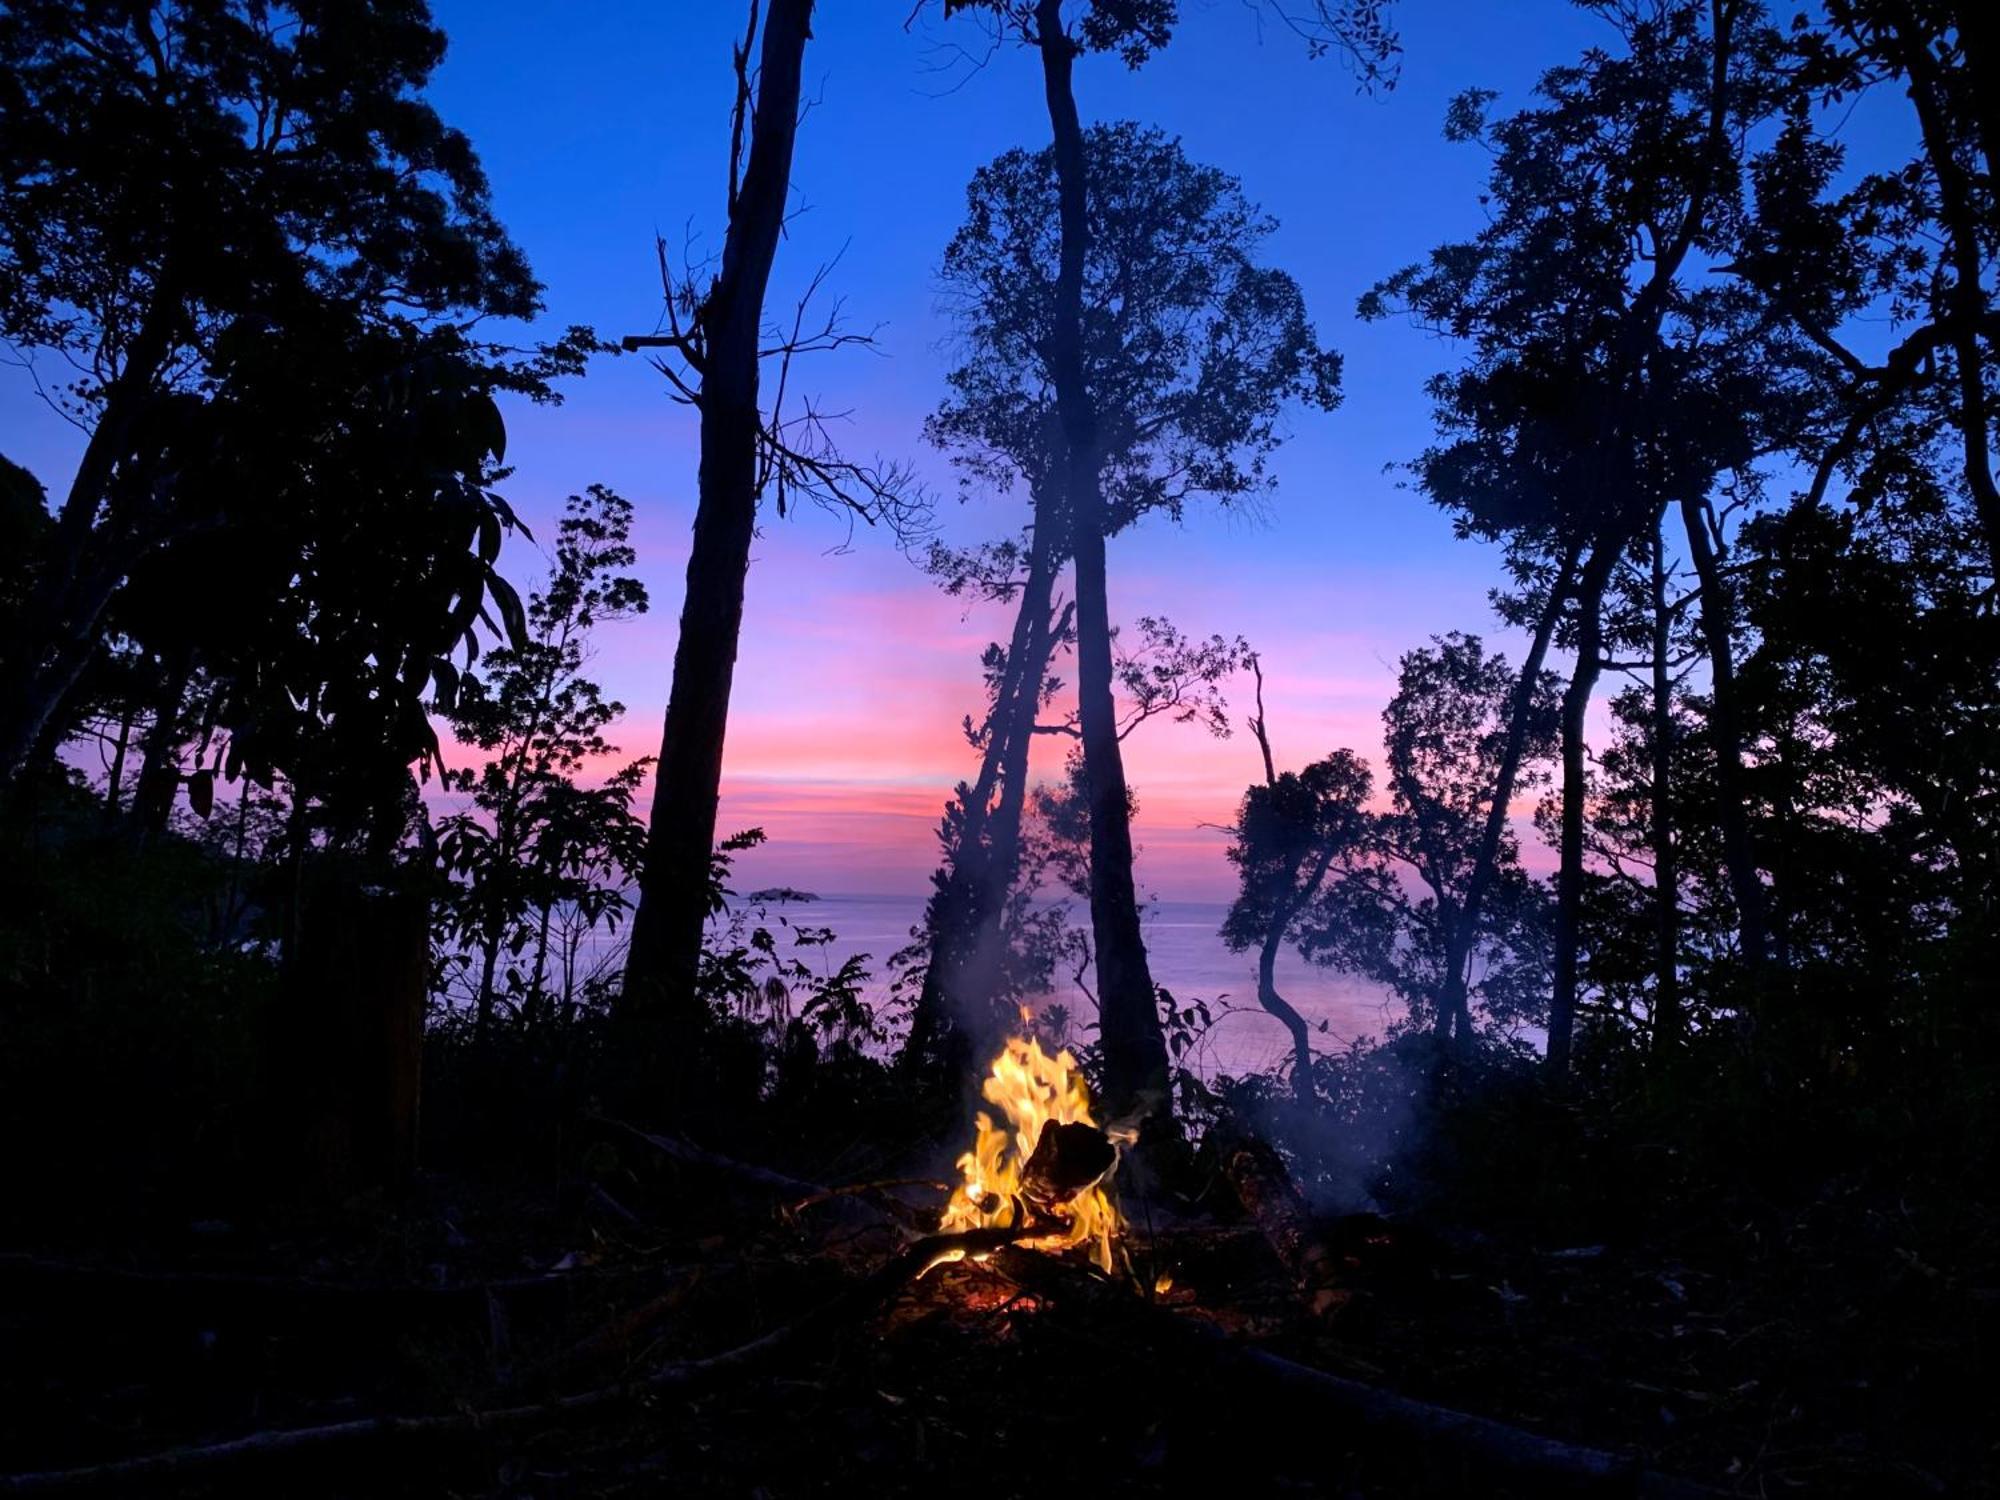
x=1275 y=1206
x=1068 y=1159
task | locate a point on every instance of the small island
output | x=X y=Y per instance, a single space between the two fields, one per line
x=781 y=893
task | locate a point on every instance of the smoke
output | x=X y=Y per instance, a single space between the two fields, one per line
x=1361 y=1147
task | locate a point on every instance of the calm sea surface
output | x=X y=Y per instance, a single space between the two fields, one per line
x=1188 y=957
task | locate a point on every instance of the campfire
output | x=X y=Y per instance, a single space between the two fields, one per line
x=1045 y=1164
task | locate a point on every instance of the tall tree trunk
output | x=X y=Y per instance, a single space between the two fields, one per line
x=352 y=1054
x=1454 y=1011
x=47 y=669
x=1002 y=865
x=1268 y=997
x=980 y=865
x=1666 y=870
x=1569 y=878
x=1979 y=36
x=665 y=955
x=541 y=970
x=114 y=788
x=969 y=930
x=232 y=909
x=1717 y=617
x=160 y=771
x=1135 y=1052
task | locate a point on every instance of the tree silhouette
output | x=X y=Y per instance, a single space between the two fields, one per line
x=1605 y=381
x=1401 y=913
x=537 y=844
x=1185 y=351
x=717 y=340
x=169 y=175
x=1290 y=833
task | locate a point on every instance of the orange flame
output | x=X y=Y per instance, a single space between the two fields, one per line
x=1032 y=1090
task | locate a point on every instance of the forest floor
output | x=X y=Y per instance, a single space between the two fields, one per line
x=1830 y=1352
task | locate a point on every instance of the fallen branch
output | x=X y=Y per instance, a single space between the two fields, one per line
x=216 y=1286
x=865 y=1190
x=859 y=1299
x=804 y=1193
x=687 y=1153
x=613 y=1340
x=1556 y=1467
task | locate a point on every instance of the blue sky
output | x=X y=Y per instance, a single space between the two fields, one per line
x=605 y=123
x=602 y=125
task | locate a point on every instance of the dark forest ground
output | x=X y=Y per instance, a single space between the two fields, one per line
x=1834 y=1349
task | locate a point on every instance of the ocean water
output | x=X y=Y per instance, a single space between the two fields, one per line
x=1187 y=956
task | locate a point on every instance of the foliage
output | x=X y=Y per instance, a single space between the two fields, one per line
x=1382 y=893
x=199 y=164
x=1192 y=348
x=542 y=861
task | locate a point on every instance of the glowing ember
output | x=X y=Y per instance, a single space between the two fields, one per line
x=1032 y=1090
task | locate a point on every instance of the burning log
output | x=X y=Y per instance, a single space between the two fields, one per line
x=1046 y=1165
x=1070 y=1158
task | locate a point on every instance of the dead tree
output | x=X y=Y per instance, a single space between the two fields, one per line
x=716 y=341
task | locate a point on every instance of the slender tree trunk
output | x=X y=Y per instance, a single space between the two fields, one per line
x=232 y=909
x=1287 y=1014
x=115 y=781
x=1281 y=920
x=37 y=688
x=160 y=771
x=967 y=911
x=482 y=1014
x=665 y=953
x=1666 y=869
x=1267 y=967
x=1001 y=866
x=1569 y=878
x=1717 y=618
x=541 y=958
x=1454 y=1011
x=1135 y=1052
x=974 y=975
